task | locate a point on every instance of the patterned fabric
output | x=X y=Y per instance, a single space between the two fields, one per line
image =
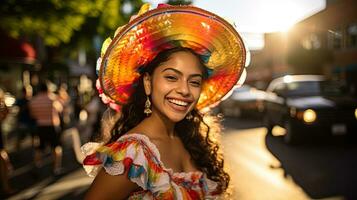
x=137 y=155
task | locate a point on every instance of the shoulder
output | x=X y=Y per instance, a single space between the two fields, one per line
x=127 y=150
x=141 y=135
x=132 y=154
x=142 y=142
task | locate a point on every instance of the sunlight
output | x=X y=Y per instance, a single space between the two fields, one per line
x=255 y=17
x=278 y=15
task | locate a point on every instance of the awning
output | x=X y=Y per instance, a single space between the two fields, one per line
x=14 y=50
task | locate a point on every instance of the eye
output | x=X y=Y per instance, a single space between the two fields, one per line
x=170 y=78
x=195 y=83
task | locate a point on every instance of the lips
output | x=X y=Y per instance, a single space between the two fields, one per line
x=179 y=104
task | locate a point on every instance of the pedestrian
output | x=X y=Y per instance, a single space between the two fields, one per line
x=65 y=100
x=162 y=72
x=25 y=123
x=5 y=164
x=45 y=109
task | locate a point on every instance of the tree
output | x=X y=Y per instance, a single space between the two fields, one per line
x=96 y=29
x=55 y=21
x=59 y=28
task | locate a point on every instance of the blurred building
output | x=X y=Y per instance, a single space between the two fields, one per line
x=17 y=61
x=269 y=62
x=324 y=43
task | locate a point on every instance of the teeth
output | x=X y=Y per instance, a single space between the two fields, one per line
x=177 y=102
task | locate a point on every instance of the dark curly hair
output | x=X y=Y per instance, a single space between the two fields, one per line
x=197 y=134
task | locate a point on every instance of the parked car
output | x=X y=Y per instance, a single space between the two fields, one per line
x=309 y=105
x=244 y=101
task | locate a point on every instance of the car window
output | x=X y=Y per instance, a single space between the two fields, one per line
x=303 y=88
x=332 y=88
x=312 y=88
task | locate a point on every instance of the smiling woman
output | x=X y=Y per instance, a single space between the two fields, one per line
x=162 y=73
x=172 y=143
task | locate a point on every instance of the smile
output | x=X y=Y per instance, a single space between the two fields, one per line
x=178 y=102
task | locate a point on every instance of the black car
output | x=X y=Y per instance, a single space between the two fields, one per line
x=244 y=101
x=309 y=106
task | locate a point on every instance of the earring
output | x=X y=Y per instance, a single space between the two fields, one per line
x=189 y=116
x=147 y=109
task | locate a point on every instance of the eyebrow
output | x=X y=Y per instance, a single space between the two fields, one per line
x=179 y=72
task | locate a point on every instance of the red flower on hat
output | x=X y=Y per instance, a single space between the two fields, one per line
x=105 y=99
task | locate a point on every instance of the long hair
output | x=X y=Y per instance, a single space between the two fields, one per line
x=197 y=134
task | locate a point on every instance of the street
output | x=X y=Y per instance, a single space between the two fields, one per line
x=261 y=167
x=41 y=183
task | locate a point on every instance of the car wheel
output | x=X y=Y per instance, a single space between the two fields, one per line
x=268 y=125
x=290 y=136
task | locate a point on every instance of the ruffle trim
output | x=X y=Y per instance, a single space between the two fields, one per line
x=137 y=155
x=129 y=154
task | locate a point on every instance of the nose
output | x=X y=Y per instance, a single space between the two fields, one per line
x=183 y=88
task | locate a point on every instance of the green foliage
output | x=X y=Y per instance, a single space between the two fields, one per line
x=101 y=27
x=56 y=21
x=110 y=18
x=53 y=20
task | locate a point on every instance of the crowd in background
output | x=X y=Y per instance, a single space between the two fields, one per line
x=41 y=115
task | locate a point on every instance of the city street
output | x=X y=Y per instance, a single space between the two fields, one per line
x=41 y=183
x=261 y=167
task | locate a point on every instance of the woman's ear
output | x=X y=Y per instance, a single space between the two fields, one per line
x=147 y=84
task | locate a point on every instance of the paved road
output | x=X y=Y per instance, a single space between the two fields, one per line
x=261 y=167
x=42 y=184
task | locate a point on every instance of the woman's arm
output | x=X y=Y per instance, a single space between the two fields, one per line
x=107 y=187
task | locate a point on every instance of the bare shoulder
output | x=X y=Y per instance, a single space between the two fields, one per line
x=141 y=130
x=158 y=142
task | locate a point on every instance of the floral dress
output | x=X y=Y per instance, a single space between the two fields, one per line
x=136 y=154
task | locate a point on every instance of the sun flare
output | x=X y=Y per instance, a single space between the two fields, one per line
x=278 y=15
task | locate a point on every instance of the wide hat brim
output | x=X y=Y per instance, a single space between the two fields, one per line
x=212 y=37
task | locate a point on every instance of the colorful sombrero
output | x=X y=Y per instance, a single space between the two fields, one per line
x=165 y=27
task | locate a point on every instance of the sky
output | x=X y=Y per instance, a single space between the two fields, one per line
x=255 y=17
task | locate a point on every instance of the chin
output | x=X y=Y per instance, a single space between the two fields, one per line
x=176 y=119
x=174 y=115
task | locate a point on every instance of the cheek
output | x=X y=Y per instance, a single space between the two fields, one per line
x=196 y=92
x=160 y=89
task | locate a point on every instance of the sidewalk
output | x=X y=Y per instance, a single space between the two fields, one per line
x=41 y=183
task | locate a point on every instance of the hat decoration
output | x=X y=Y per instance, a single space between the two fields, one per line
x=152 y=31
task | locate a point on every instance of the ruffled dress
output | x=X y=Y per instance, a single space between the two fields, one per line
x=136 y=154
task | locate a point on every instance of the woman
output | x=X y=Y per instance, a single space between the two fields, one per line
x=162 y=146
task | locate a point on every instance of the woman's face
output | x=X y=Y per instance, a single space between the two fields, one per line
x=175 y=86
